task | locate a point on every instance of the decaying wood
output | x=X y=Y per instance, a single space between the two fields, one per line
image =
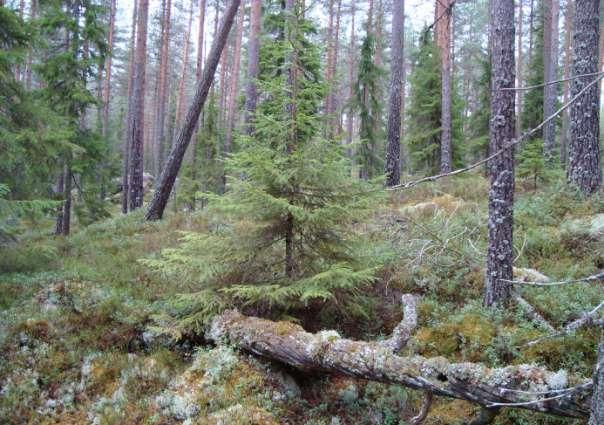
x=532 y=313
x=531 y=387
x=403 y=331
x=423 y=412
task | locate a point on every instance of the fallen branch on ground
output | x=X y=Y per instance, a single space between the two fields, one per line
x=589 y=279
x=327 y=352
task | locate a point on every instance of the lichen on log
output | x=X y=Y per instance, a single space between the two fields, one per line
x=529 y=386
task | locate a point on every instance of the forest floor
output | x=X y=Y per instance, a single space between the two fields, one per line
x=76 y=345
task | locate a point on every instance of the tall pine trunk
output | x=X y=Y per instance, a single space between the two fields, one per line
x=128 y=118
x=584 y=151
x=568 y=27
x=108 y=64
x=551 y=9
x=170 y=171
x=253 y=64
x=162 y=89
x=136 y=128
x=519 y=68
x=351 y=67
x=234 y=86
x=393 y=149
x=180 y=100
x=501 y=168
x=443 y=42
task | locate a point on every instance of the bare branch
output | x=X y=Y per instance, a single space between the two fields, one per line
x=533 y=314
x=549 y=83
x=402 y=332
x=412 y=183
x=423 y=412
x=589 y=279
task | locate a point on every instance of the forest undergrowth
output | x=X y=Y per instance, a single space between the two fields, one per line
x=80 y=341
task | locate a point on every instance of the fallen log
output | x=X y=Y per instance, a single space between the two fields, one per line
x=522 y=386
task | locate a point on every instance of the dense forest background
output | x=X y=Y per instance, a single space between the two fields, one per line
x=192 y=191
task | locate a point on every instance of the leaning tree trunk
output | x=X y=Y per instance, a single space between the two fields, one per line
x=326 y=352
x=501 y=168
x=584 y=151
x=170 y=171
x=253 y=64
x=551 y=10
x=443 y=41
x=138 y=109
x=393 y=149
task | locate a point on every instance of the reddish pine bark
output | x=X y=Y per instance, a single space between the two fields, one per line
x=568 y=27
x=170 y=171
x=253 y=65
x=162 y=89
x=551 y=10
x=234 y=86
x=108 y=63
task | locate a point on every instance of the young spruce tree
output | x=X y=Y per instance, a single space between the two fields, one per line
x=281 y=236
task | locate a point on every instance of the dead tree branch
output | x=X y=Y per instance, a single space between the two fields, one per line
x=327 y=352
x=403 y=331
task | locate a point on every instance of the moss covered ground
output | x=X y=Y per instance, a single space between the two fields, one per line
x=77 y=343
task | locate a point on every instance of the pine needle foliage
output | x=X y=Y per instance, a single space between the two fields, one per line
x=368 y=101
x=285 y=182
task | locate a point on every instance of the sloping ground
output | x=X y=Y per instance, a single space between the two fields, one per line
x=77 y=342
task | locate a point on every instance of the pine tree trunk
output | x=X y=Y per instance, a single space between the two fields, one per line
x=334 y=65
x=170 y=171
x=253 y=65
x=597 y=399
x=61 y=191
x=393 y=149
x=551 y=9
x=108 y=64
x=128 y=118
x=519 y=69
x=180 y=102
x=330 y=46
x=351 y=66
x=66 y=216
x=584 y=152
x=198 y=73
x=33 y=8
x=568 y=27
x=443 y=42
x=501 y=168
x=234 y=86
x=162 y=89
x=136 y=129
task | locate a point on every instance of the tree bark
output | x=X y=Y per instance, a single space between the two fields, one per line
x=108 y=64
x=180 y=100
x=393 y=149
x=170 y=171
x=443 y=42
x=568 y=28
x=61 y=191
x=327 y=352
x=519 y=69
x=162 y=89
x=351 y=66
x=128 y=119
x=551 y=10
x=501 y=169
x=66 y=216
x=253 y=65
x=33 y=8
x=234 y=87
x=138 y=109
x=597 y=400
x=584 y=153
